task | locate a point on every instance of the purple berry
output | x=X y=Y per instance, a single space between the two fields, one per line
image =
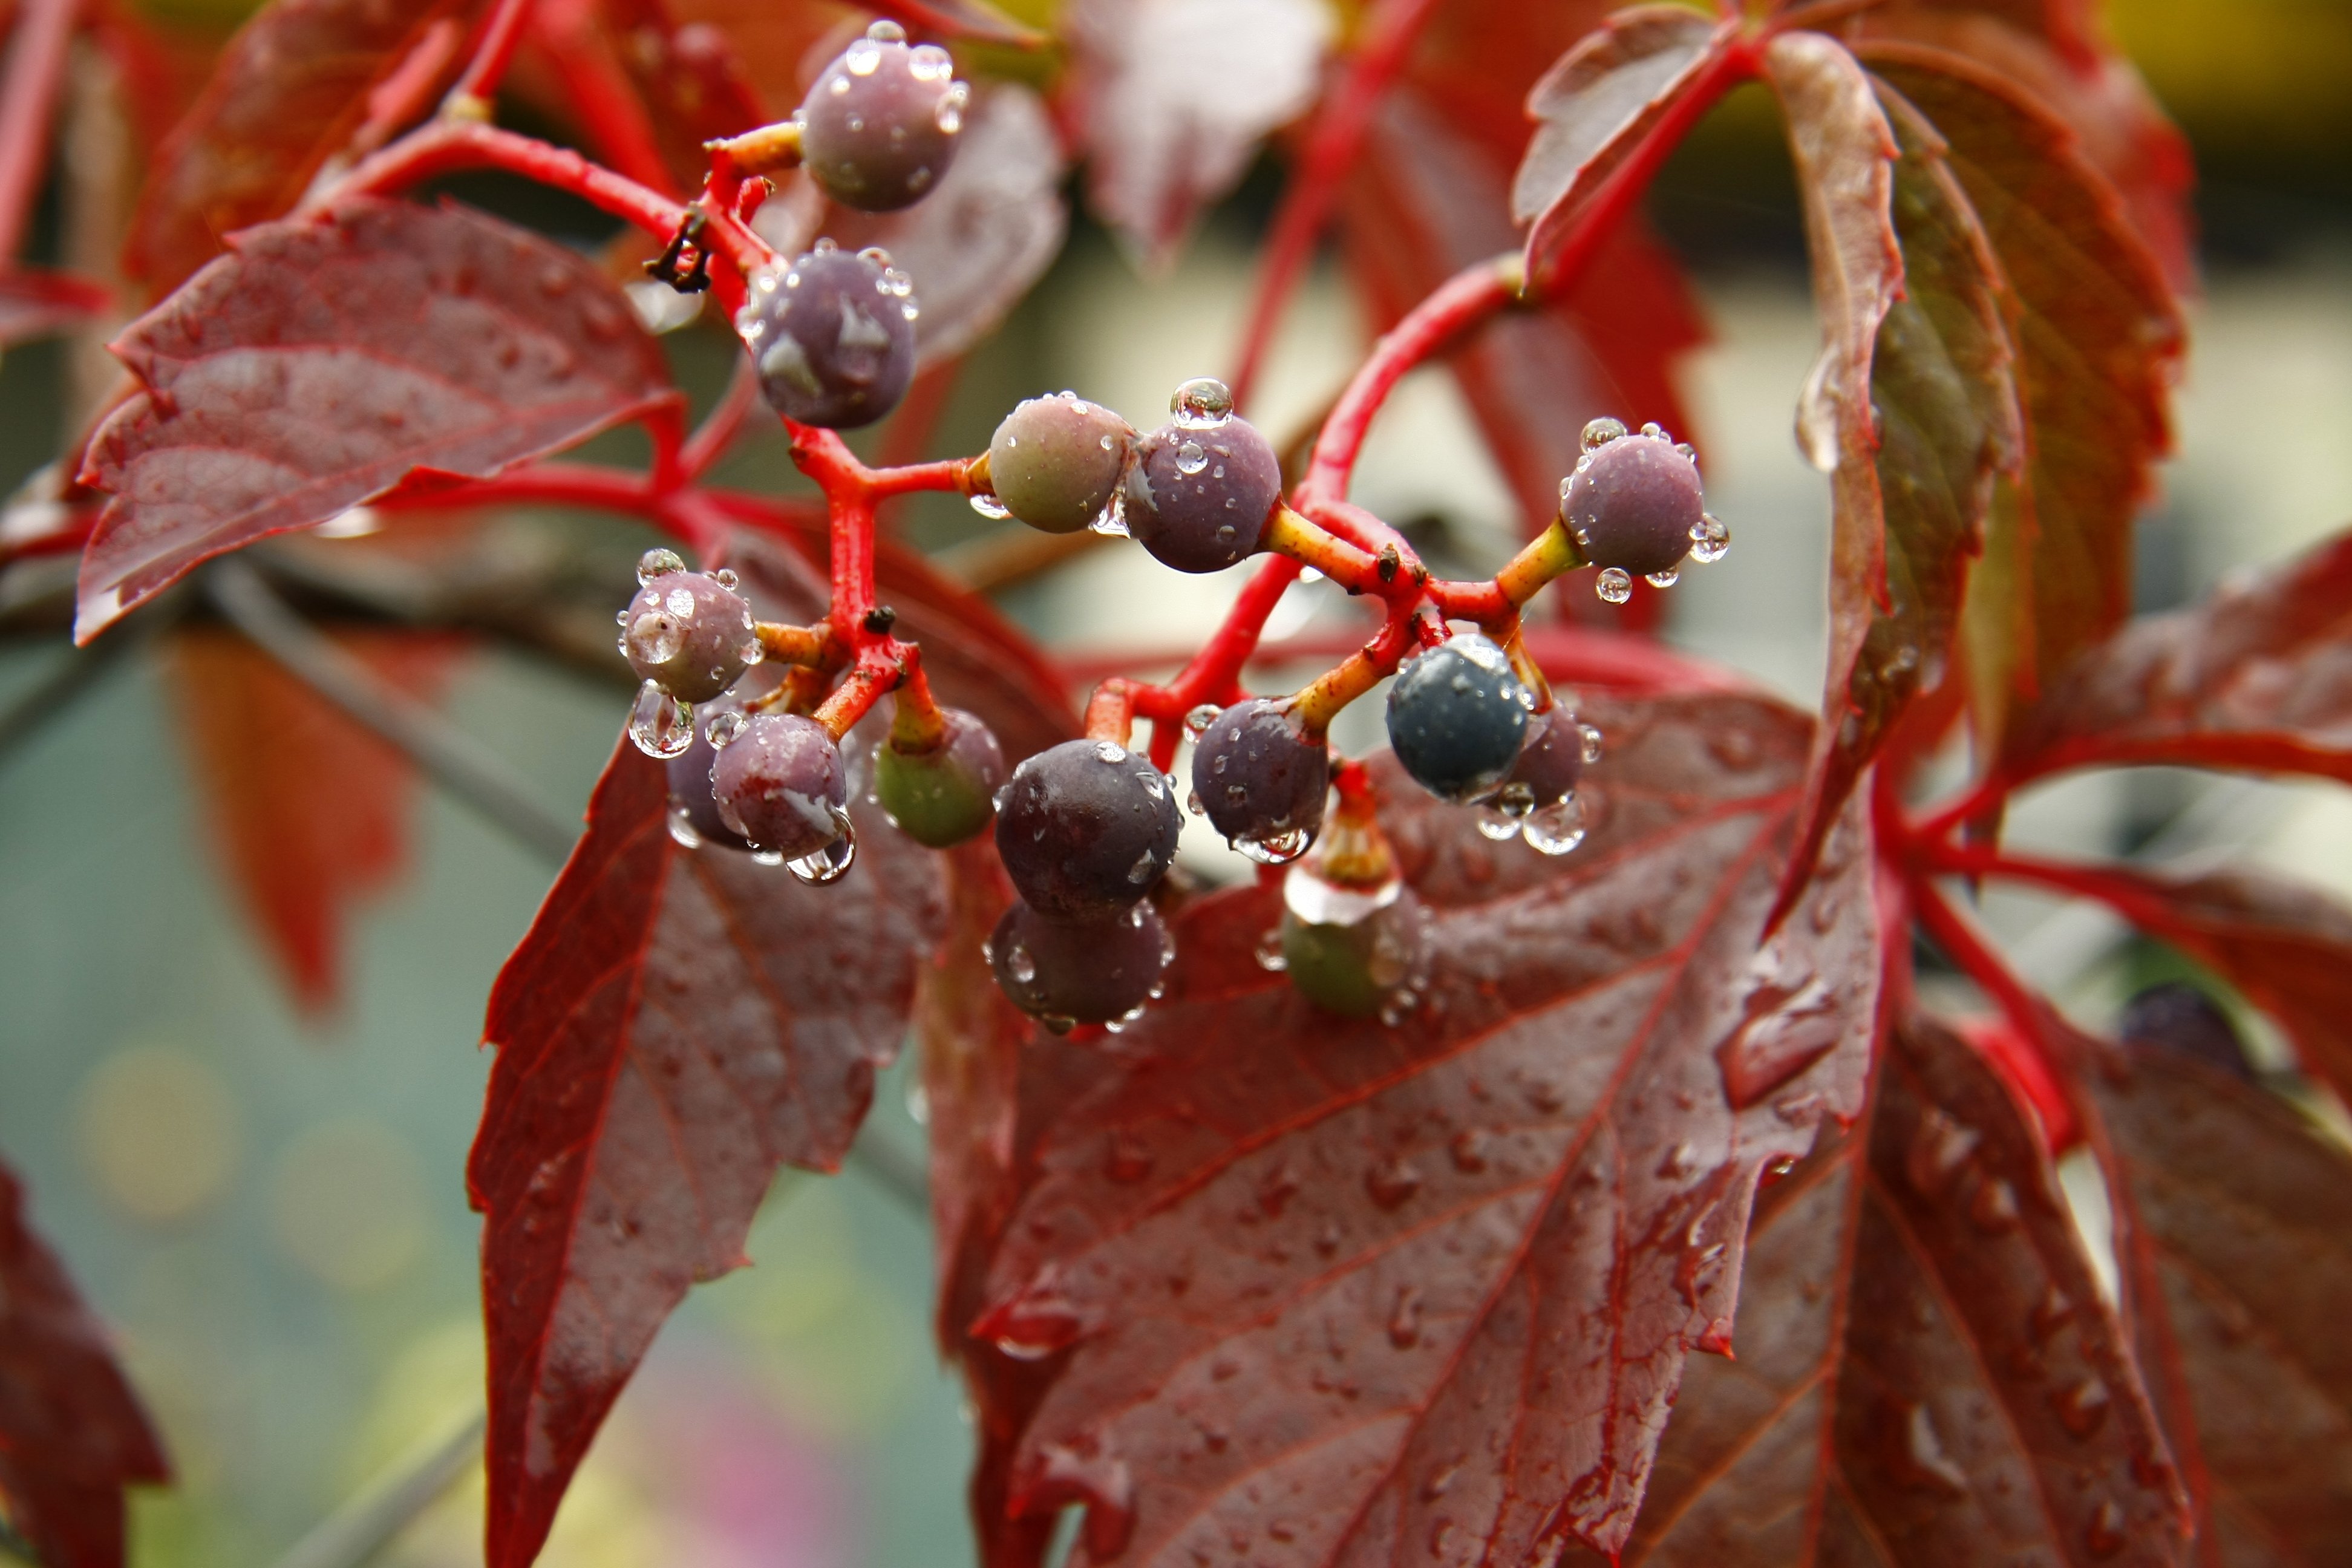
x=1632 y=504
x=691 y=794
x=1261 y=779
x=1086 y=829
x=1085 y=972
x=1201 y=489
x=688 y=633
x=1550 y=760
x=833 y=337
x=781 y=784
x=880 y=127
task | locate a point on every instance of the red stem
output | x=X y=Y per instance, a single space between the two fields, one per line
x=471 y=94
x=609 y=110
x=29 y=93
x=448 y=146
x=1388 y=31
x=722 y=424
x=2037 y=1071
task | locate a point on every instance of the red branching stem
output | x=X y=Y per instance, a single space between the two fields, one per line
x=29 y=93
x=470 y=97
x=1471 y=295
x=1110 y=711
x=1390 y=28
x=1987 y=793
x=721 y=424
x=448 y=146
x=2037 y=1072
x=1987 y=860
x=570 y=32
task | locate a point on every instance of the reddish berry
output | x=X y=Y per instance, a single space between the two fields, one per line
x=694 y=809
x=1203 y=485
x=1086 y=829
x=1087 y=972
x=833 y=336
x=685 y=631
x=1055 y=462
x=1633 y=503
x=1260 y=779
x=880 y=127
x=781 y=784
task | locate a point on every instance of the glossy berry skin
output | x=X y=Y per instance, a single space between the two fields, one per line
x=944 y=795
x=880 y=127
x=1359 y=969
x=1457 y=717
x=1258 y=774
x=1632 y=504
x=689 y=779
x=832 y=338
x=1198 y=495
x=1086 y=971
x=2184 y=1019
x=1055 y=462
x=1086 y=828
x=688 y=633
x=780 y=782
x=1551 y=759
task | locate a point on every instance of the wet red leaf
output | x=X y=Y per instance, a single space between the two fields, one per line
x=695 y=87
x=2232 y=1246
x=72 y=1435
x=2257 y=676
x=2099 y=337
x=1349 y=1293
x=324 y=360
x=284 y=95
x=676 y=1024
x=1926 y=1376
x=309 y=810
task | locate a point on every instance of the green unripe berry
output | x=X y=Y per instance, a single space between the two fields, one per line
x=943 y=793
x=1367 y=967
x=1055 y=462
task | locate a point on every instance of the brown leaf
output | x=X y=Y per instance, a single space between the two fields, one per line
x=1366 y=1294
x=977 y=245
x=2258 y=676
x=1846 y=155
x=1593 y=107
x=676 y=1024
x=2232 y=1243
x=309 y=811
x=325 y=359
x=72 y=1435
x=286 y=94
x=1175 y=96
x=1926 y=1376
x=2098 y=338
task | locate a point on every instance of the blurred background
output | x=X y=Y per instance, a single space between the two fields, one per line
x=266 y=1200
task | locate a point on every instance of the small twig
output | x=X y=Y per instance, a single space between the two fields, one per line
x=444 y=752
x=367 y=1525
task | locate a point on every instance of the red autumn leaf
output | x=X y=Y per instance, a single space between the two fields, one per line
x=1365 y=1294
x=1424 y=201
x=1174 y=96
x=1926 y=1376
x=323 y=359
x=1593 y=107
x=2058 y=55
x=2231 y=1241
x=695 y=87
x=2098 y=337
x=676 y=1024
x=1846 y=155
x=309 y=810
x=1943 y=402
x=978 y=244
x=286 y=93
x=2258 y=676
x=72 y=1434
x=2287 y=946
x=34 y=304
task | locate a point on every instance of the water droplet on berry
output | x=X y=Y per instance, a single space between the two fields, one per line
x=1654 y=431
x=681 y=829
x=831 y=863
x=989 y=507
x=1192 y=804
x=1592 y=743
x=1321 y=902
x=1197 y=723
x=1111 y=522
x=1190 y=458
x=1601 y=432
x=949 y=116
x=725 y=577
x=1614 y=586
x=1664 y=579
x=681 y=604
x=656 y=564
x=766 y=856
x=1021 y=965
x=1154 y=785
x=885 y=31
x=660 y=723
x=1146 y=866
x=1277 y=849
x=723 y=728
x=862 y=57
x=752 y=652
x=1202 y=404
x=655 y=636
x=1270 y=956
x=1688 y=453
x=824 y=247
x=1496 y=823
x=1111 y=751
x=1710 y=539
x=931 y=63
x=1555 y=829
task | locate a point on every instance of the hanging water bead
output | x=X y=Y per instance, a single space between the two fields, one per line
x=1557 y=828
x=660 y=724
x=1710 y=539
x=723 y=727
x=1665 y=579
x=831 y=862
x=1614 y=586
x=1202 y=404
x=659 y=562
x=1601 y=432
x=989 y=507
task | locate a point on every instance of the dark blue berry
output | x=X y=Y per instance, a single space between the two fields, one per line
x=1261 y=779
x=1457 y=715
